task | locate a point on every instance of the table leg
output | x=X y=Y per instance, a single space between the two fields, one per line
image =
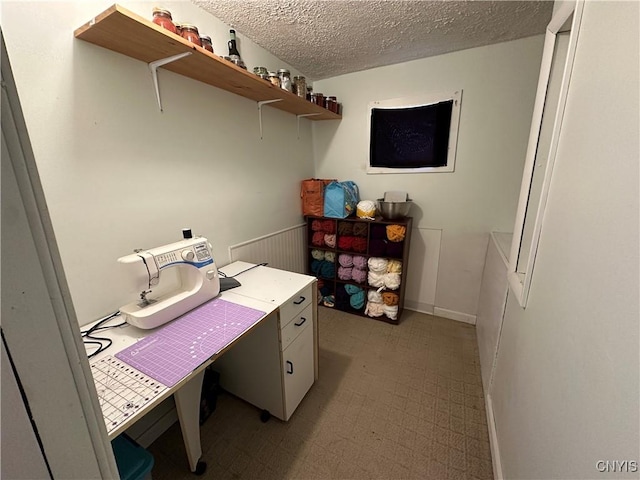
x=188 y=406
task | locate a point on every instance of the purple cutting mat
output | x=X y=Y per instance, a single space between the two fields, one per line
x=175 y=350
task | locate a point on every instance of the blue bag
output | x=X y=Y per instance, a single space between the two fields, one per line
x=340 y=199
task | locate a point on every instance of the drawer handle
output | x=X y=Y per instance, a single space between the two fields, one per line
x=302 y=299
x=289 y=364
x=302 y=321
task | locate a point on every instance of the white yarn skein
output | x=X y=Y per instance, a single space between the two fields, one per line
x=374 y=296
x=376 y=279
x=391 y=311
x=392 y=280
x=378 y=265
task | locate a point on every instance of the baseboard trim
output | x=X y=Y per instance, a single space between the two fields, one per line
x=418 y=307
x=453 y=315
x=493 y=440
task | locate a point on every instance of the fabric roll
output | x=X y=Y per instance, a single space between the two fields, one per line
x=330 y=257
x=392 y=281
x=378 y=232
x=329 y=240
x=345 y=243
x=344 y=273
x=376 y=279
x=359 y=244
x=374 y=296
x=360 y=262
x=378 y=265
x=374 y=309
x=345 y=260
x=390 y=298
x=359 y=275
x=378 y=247
x=396 y=233
x=345 y=229
x=317 y=254
x=394 y=266
x=390 y=311
x=316 y=225
x=328 y=226
x=318 y=239
x=360 y=229
x=394 y=249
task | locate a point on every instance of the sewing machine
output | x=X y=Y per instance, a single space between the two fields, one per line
x=198 y=280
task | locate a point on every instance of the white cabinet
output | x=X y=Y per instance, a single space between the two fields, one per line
x=275 y=364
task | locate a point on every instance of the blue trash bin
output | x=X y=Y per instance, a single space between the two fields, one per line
x=134 y=462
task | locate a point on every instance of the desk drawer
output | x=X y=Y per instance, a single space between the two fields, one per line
x=296 y=304
x=295 y=327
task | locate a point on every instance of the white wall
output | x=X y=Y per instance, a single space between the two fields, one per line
x=565 y=390
x=499 y=84
x=118 y=174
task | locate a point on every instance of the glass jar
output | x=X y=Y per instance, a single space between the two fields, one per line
x=206 y=43
x=331 y=103
x=274 y=79
x=300 y=86
x=163 y=18
x=318 y=99
x=190 y=33
x=309 y=92
x=259 y=71
x=285 y=79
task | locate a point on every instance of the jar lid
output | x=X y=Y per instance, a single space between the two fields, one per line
x=283 y=70
x=318 y=94
x=205 y=37
x=188 y=26
x=299 y=77
x=161 y=10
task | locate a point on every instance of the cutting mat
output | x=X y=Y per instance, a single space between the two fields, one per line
x=175 y=350
x=122 y=390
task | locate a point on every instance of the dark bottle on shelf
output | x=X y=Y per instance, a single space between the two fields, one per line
x=233 y=48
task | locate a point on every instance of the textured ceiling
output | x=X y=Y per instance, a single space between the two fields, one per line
x=325 y=38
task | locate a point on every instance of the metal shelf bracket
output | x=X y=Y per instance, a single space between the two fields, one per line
x=260 y=104
x=153 y=66
x=298 y=117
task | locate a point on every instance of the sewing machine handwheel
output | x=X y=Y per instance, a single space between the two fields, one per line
x=201 y=467
x=265 y=416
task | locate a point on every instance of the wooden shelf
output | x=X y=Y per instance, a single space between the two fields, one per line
x=123 y=31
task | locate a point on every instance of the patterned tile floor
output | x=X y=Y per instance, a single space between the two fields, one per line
x=392 y=402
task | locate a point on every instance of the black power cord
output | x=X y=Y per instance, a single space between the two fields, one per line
x=102 y=343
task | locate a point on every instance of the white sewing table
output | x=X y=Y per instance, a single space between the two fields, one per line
x=272 y=365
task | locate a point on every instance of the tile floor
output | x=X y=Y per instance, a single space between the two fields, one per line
x=392 y=402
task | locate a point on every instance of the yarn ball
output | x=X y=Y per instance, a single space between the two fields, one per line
x=360 y=229
x=329 y=240
x=328 y=226
x=357 y=300
x=394 y=266
x=345 y=243
x=374 y=296
x=330 y=257
x=374 y=309
x=352 y=289
x=317 y=254
x=376 y=279
x=315 y=266
x=396 y=233
x=390 y=298
x=390 y=312
x=366 y=209
x=327 y=270
x=360 y=262
x=316 y=225
x=392 y=281
x=378 y=265
x=345 y=229
x=359 y=244
x=317 y=239
x=345 y=260
x=344 y=273
x=359 y=275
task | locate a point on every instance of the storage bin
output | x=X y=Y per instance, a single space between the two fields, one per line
x=133 y=461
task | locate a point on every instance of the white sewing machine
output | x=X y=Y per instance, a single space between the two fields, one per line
x=198 y=280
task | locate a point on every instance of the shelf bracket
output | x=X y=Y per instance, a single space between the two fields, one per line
x=298 y=117
x=260 y=104
x=153 y=66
